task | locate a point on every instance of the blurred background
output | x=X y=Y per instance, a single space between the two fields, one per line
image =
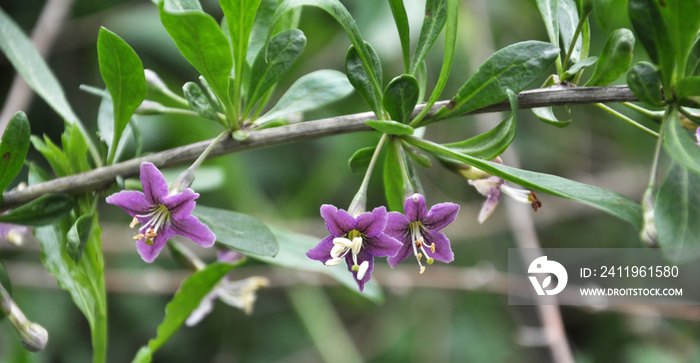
x=456 y=312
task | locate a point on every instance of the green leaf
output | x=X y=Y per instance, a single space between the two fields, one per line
x=615 y=58
x=605 y=200
x=579 y=66
x=200 y=102
x=549 y=9
x=434 y=21
x=678 y=143
x=78 y=236
x=683 y=20
x=282 y=52
x=603 y=9
x=53 y=154
x=359 y=161
x=310 y=92
x=202 y=43
x=643 y=79
x=362 y=80
x=292 y=254
x=415 y=155
x=400 y=97
x=688 y=86
x=652 y=32
x=677 y=212
x=122 y=72
x=395 y=188
x=238 y=231
x=13 y=149
x=336 y=9
x=27 y=61
x=493 y=142
x=398 y=10
x=693 y=65
x=568 y=21
x=546 y=114
x=513 y=67
x=390 y=127
x=186 y=300
x=47 y=209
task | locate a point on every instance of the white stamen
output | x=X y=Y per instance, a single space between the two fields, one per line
x=337 y=250
x=342 y=241
x=334 y=262
x=364 y=266
x=356 y=245
x=520 y=195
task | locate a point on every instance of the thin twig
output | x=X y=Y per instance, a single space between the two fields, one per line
x=104 y=176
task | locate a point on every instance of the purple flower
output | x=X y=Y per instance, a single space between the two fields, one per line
x=419 y=228
x=163 y=213
x=357 y=238
x=492 y=188
x=697 y=135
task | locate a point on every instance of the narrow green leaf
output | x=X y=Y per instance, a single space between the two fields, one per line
x=78 y=236
x=688 y=86
x=434 y=21
x=186 y=299
x=513 y=67
x=549 y=9
x=122 y=72
x=359 y=161
x=27 y=61
x=643 y=79
x=282 y=52
x=568 y=21
x=493 y=142
x=261 y=25
x=693 y=64
x=202 y=43
x=310 y=92
x=362 y=80
x=579 y=66
x=603 y=10
x=415 y=155
x=75 y=147
x=200 y=102
x=400 y=97
x=390 y=127
x=677 y=212
x=13 y=149
x=394 y=187
x=678 y=143
x=238 y=231
x=683 y=20
x=615 y=58
x=652 y=32
x=546 y=114
x=47 y=209
x=398 y=10
x=292 y=254
x=605 y=200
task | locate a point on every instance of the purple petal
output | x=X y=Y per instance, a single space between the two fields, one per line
x=204 y=308
x=697 y=135
x=361 y=257
x=405 y=251
x=131 y=201
x=154 y=185
x=489 y=206
x=414 y=208
x=338 y=222
x=193 y=229
x=182 y=204
x=397 y=226
x=441 y=215
x=150 y=252
x=322 y=251
x=443 y=250
x=382 y=245
x=372 y=224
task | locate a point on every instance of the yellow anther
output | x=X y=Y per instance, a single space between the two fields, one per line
x=432 y=247
x=422 y=269
x=139 y=236
x=134 y=222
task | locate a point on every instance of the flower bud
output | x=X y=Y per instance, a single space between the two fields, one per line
x=33 y=336
x=649 y=234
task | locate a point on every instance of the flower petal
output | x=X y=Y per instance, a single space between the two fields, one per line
x=443 y=250
x=489 y=206
x=414 y=208
x=405 y=251
x=150 y=252
x=397 y=226
x=441 y=215
x=372 y=224
x=204 y=308
x=182 y=204
x=382 y=245
x=193 y=229
x=338 y=222
x=322 y=251
x=131 y=201
x=154 y=185
x=361 y=257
